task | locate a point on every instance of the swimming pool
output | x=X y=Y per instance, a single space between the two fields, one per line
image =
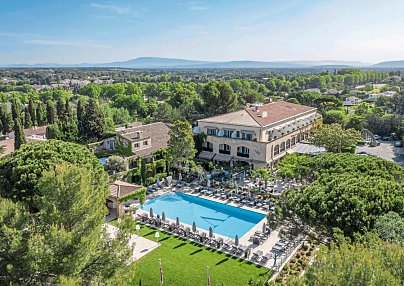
x=225 y=220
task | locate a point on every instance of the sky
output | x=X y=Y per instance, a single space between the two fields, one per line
x=101 y=31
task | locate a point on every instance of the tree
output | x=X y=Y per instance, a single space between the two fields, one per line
x=65 y=239
x=115 y=164
x=368 y=263
x=345 y=191
x=92 y=122
x=390 y=227
x=334 y=138
x=334 y=116
x=20 y=172
x=19 y=139
x=181 y=146
x=219 y=98
x=32 y=112
x=51 y=115
x=27 y=119
x=262 y=173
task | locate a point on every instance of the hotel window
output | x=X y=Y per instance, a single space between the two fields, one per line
x=136 y=145
x=282 y=146
x=145 y=143
x=293 y=141
x=243 y=152
x=246 y=136
x=207 y=146
x=287 y=144
x=227 y=133
x=224 y=149
x=276 y=150
x=211 y=131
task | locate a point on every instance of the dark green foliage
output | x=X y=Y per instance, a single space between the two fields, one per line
x=219 y=97
x=390 y=227
x=6 y=120
x=19 y=139
x=21 y=171
x=92 y=122
x=346 y=191
x=27 y=119
x=32 y=112
x=51 y=115
x=40 y=114
x=143 y=173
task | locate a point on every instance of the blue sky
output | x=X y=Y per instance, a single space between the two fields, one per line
x=76 y=31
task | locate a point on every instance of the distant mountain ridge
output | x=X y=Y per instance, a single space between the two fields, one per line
x=173 y=63
x=390 y=64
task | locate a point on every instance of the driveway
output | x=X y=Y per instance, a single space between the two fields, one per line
x=385 y=150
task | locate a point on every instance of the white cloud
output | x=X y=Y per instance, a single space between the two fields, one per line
x=113 y=7
x=196 y=6
x=64 y=43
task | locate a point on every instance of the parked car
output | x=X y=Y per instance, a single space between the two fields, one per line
x=377 y=137
x=363 y=153
x=398 y=144
x=386 y=138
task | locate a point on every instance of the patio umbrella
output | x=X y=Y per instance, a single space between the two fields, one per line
x=179 y=177
x=151 y=212
x=177 y=222
x=264 y=227
x=208 y=183
x=193 y=227
x=158 y=181
x=236 y=240
x=236 y=188
x=163 y=216
x=210 y=232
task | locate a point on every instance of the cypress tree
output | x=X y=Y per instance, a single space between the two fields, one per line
x=40 y=116
x=19 y=139
x=81 y=118
x=51 y=117
x=60 y=110
x=32 y=112
x=27 y=119
x=93 y=123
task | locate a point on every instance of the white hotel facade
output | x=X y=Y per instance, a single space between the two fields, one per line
x=259 y=134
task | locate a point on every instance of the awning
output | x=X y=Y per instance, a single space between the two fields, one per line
x=206 y=155
x=222 y=158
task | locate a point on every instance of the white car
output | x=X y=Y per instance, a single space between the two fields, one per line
x=377 y=137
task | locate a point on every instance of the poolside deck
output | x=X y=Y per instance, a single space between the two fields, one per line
x=265 y=247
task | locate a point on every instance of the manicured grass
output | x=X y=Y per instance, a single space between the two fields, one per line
x=184 y=263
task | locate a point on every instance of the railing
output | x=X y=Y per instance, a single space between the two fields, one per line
x=207 y=149
x=244 y=155
x=224 y=152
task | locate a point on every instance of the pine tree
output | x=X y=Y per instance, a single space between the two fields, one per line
x=51 y=116
x=15 y=108
x=19 y=139
x=27 y=119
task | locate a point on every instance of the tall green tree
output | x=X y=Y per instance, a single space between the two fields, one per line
x=93 y=122
x=51 y=114
x=27 y=119
x=181 y=146
x=219 y=97
x=32 y=112
x=65 y=240
x=19 y=139
x=334 y=138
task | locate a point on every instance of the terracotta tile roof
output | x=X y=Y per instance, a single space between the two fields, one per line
x=9 y=146
x=276 y=111
x=159 y=133
x=41 y=130
x=119 y=189
x=262 y=115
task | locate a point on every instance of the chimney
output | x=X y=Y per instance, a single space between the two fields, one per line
x=265 y=114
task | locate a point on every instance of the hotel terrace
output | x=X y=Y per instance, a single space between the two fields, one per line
x=258 y=135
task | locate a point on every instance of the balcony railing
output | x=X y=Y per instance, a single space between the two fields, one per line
x=244 y=155
x=224 y=152
x=207 y=149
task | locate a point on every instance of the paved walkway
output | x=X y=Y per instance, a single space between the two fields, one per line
x=141 y=246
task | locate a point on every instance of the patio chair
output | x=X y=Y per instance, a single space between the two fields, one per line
x=266 y=257
x=257 y=255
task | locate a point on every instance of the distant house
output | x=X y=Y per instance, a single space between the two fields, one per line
x=313 y=90
x=332 y=91
x=353 y=91
x=389 y=93
x=118 y=191
x=142 y=140
x=351 y=100
x=374 y=96
x=31 y=134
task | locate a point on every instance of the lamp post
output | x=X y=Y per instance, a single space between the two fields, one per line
x=137 y=229
x=157 y=235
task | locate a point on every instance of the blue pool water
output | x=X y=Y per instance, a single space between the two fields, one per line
x=225 y=220
x=103 y=160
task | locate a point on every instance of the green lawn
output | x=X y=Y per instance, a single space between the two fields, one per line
x=184 y=263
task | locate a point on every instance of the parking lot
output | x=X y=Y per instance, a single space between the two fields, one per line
x=385 y=150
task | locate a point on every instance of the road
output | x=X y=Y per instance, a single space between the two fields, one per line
x=385 y=150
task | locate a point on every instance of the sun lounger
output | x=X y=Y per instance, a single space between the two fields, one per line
x=257 y=255
x=266 y=257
